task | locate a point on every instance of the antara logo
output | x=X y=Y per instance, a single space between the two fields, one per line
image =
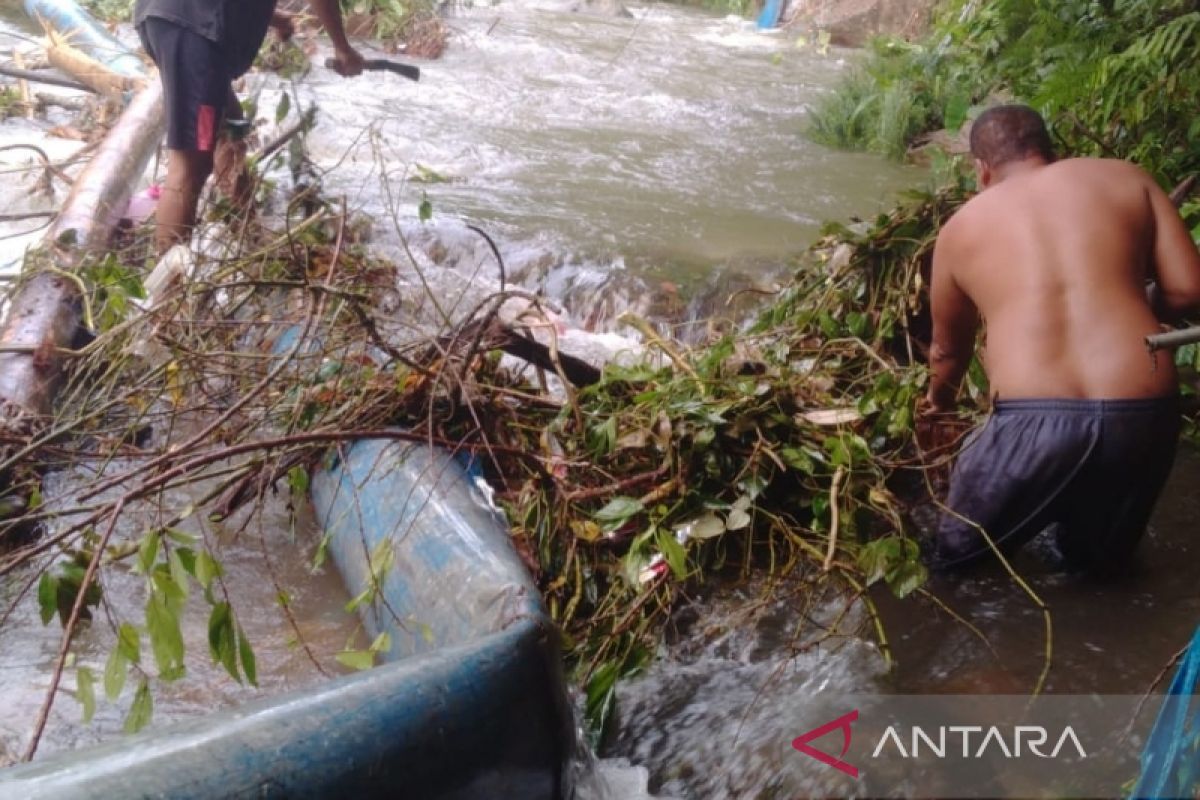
x=1033 y=737
x=843 y=722
x=1023 y=739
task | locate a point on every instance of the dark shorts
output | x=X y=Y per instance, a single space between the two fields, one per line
x=196 y=83
x=1093 y=467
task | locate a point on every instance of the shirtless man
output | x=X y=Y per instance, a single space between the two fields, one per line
x=201 y=47
x=1054 y=257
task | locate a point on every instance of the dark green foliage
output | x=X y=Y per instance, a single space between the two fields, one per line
x=1117 y=78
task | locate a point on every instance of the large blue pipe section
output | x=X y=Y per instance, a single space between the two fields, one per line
x=83 y=32
x=471 y=704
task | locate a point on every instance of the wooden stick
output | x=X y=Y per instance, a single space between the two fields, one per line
x=23 y=86
x=43 y=77
x=834 y=516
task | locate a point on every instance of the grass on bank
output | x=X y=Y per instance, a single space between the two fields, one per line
x=1116 y=79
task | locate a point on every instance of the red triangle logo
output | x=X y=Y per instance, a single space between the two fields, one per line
x=843 y=723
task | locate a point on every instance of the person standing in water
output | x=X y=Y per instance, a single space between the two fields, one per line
x=1053 y=257
x=201 y=47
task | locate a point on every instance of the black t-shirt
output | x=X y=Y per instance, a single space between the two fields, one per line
x=237 y=27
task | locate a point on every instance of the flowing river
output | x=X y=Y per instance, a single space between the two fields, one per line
x=654 y=164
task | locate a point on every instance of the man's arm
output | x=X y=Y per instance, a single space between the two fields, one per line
x=1176 y=260
x=955 y=320
x=349 y=61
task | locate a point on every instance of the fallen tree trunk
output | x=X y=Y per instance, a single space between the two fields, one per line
x=44 y=317
x=89 y=70
x=101 y=194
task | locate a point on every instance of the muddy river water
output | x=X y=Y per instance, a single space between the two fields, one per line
x=646 y=163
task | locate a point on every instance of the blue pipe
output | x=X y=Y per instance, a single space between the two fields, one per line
x=67 y=18
x=769 y=17
x=471 y=704
x=466 y=722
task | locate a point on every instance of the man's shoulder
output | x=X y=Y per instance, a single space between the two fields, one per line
x=1098 y=166
x=964 y=216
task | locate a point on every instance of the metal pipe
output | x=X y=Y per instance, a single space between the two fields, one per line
x=1172 y=339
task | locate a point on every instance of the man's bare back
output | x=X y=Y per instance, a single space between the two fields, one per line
x=1053 y=257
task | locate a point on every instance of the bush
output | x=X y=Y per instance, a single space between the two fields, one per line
x=1113 y=78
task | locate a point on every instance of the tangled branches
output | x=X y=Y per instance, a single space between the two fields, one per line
x=781 y=449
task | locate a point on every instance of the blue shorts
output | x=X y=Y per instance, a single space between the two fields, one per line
x=197 y=87
x=1093 y=467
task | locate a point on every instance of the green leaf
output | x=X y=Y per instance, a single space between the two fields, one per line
x=129 y=643
x=283 y=107
x=362 y=597
x=249 y=663
x=166 y=639
x=164 y=583
x=116 y=669
x=601 y=694
x=222 y=639
x=85 y=690
x=907 y=577
x=148 y=552
x=142 y=709
x=739 y=514
x=425 y=210
x=673 y=552
x=298 y=480
x=618 y=510
x=47 y=597
x=207 y=568
x=876 y=558
x=322 y=552
x=798 y=459
x=187 y=557
x=179 y=572
x=181 y=537
x=356 y=659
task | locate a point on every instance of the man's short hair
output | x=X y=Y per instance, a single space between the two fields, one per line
x=1010 y=133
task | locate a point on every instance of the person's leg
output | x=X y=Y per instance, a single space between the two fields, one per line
x=187 y=170
x=195 y=88
x=1110 y=509
x=1007 y=478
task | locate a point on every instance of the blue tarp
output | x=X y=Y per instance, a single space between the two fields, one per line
x=1171 y=759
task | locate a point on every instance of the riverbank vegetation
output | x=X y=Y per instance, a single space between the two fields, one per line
x=1116 y=79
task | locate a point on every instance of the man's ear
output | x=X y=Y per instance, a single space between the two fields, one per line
x=983 y=174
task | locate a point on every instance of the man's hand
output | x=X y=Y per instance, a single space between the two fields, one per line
x=347 y=62
x=931 y=405
x=284 y=25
